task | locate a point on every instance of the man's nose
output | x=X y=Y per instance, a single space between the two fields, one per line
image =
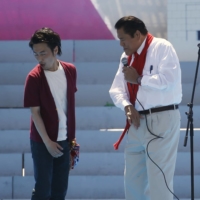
x=39 y=58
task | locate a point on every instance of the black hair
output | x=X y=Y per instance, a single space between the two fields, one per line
x=48 y=36
x=130 y=25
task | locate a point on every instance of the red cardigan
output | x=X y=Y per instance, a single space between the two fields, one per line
x=37 y=93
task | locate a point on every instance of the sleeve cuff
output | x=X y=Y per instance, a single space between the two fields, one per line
x=125 y=103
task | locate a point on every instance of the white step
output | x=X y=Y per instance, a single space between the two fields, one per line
x=187 y=94
x=12 y=96
x=87 y=95
x=83 y=50
x=87 y=72
x=99 y=164
x=92 y=187
x=79 y=187
x=9 y=143
x=90 y=164
x=112 y=164
x=102 y=141
x=25 y=54
x=87 y=118
x=10 y=164
x=6 y=189
x=97 y=50
x=188 y=71
x=19 y=72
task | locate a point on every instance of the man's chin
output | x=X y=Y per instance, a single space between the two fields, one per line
x=43 y=66
x=127 y=53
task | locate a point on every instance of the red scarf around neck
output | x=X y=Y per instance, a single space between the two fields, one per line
x=138 y=64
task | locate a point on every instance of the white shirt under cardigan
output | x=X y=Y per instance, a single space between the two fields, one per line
x=58 y=86
x=161 y=82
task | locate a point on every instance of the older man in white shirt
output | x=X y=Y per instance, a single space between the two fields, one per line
x=149 y=90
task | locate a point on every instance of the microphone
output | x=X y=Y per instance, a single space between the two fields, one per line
x=125 y=61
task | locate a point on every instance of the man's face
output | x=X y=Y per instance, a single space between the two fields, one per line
x=44 y=55
x=129 y=44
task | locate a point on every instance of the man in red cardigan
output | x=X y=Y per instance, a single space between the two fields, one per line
x=50 y=93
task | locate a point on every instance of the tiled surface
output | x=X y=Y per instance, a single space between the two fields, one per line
x=182 y=16
x=182 y=25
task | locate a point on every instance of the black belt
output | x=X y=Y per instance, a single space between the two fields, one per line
x=159 y=109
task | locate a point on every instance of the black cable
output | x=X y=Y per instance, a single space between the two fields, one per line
x=156 y=137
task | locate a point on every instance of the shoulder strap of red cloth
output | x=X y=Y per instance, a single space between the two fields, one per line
x=138 y=64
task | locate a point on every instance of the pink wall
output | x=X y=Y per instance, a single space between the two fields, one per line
x=72 y=19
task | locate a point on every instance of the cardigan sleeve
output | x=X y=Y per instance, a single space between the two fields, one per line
x=31 y=92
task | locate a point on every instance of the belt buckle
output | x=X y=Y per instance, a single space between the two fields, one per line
x=174 y=107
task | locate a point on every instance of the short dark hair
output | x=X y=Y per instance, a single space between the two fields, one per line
x=131 y=24
x=48 y=36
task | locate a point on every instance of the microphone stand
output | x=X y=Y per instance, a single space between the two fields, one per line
x=190 y=125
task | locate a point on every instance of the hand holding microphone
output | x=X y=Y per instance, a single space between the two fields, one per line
x=130 y=73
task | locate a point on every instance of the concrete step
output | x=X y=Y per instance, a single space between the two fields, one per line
x=105 y=117
x=187 y=94
x=90 y=141
x=188 y=72
x=105 y=50
x=99 y=164
x=11 y=164
x=89 y=187
x=87 y=118
x=24 y=53
x=90 y=164
x=105 y=164
x=102 y=141
x=19 y=72
x=87 y=95
x=77 y=50
x=87 y=72
x=11 y=96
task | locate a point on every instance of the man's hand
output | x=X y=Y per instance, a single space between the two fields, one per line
x=54 y=148
x=133 y=116
x=130 y=74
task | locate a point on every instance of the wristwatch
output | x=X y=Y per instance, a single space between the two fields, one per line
x=139 y=80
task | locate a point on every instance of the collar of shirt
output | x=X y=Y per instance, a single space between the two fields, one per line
x=141 y=46
x=139 y=49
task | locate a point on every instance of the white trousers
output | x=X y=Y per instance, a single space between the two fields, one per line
x=143 y=179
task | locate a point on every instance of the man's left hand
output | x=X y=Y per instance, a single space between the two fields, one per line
x=130 y=74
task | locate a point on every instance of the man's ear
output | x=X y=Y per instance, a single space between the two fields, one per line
x=55 y=51
x=137 y=34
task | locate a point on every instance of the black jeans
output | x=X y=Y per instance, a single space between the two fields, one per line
x=51 y=174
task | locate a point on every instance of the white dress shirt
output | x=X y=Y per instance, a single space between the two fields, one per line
x=161 y=81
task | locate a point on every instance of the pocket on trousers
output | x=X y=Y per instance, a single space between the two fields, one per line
x=161 y=123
